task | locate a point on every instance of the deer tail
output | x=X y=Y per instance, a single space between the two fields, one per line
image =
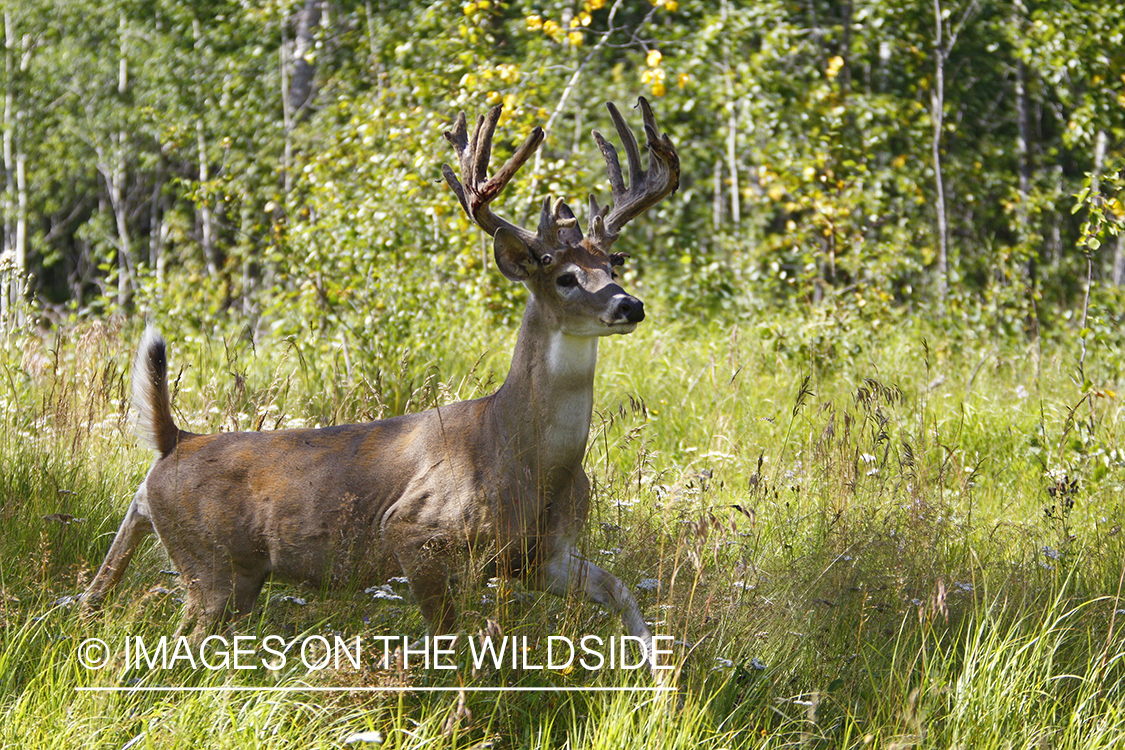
x=152 y=406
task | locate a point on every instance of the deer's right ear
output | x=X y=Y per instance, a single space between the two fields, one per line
x=512 y=255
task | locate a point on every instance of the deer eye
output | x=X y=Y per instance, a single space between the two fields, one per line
x=566 y=280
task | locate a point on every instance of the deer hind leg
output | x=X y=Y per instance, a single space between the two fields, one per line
x=567 y=572
x=215 y=594
x=135 y=527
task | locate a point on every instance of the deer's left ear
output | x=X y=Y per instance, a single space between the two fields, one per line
x=513 y=257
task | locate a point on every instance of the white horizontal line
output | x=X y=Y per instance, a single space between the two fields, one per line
x=369 y=689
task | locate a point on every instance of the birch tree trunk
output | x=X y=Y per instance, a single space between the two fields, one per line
x=6 y=205
x=1023 y=153
x=286 y=113
x=303 y=76
x=121 y=216
x=1117 y=264
x=158 y=228
x=117 y=180
x=1023 y=148
x=206 y=217
x=732 y=136
x=14 y=246
x=937 y=120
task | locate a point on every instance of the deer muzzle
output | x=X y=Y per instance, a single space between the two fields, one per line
x=628 y=309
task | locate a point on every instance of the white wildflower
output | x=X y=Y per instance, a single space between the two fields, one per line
x=383 y=592
x=375 y=737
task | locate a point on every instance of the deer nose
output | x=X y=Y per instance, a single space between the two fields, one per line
x=631 y=309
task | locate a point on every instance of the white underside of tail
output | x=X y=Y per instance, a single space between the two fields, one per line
x=145 y=395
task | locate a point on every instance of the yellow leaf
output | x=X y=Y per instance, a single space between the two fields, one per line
x=834 y=65
x=653 y=58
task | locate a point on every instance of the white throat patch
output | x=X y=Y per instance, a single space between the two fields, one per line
x=571 y=356
x=570 y=361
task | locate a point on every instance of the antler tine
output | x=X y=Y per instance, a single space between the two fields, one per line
x=596 y=225
x=482 y=142
x=474 y=190
x=459 y=138
x=548 y=226
x=557 y=224
x=628 y=141
x=517 y=160
x=646 y=187
x=569 y=231
x=612 y=164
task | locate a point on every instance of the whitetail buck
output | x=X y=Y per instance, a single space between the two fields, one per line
x=500 y=477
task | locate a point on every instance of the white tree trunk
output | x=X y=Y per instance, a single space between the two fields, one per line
x=937 y=119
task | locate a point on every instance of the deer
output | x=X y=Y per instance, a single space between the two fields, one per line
x=500 y=476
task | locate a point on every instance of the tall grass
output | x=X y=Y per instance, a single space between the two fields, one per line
x=914 y=543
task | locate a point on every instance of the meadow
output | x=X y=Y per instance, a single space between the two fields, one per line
x=858 y=532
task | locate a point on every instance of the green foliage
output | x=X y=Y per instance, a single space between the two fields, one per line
x=168 y=171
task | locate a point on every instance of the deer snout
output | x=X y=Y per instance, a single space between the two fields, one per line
x=629 y=309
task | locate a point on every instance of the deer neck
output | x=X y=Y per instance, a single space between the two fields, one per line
x=548 y=397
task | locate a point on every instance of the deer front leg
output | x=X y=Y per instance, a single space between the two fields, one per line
x=426 y=566
x=567 y=572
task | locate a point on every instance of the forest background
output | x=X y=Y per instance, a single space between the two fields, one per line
x=871 y=475
x=885 y=156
